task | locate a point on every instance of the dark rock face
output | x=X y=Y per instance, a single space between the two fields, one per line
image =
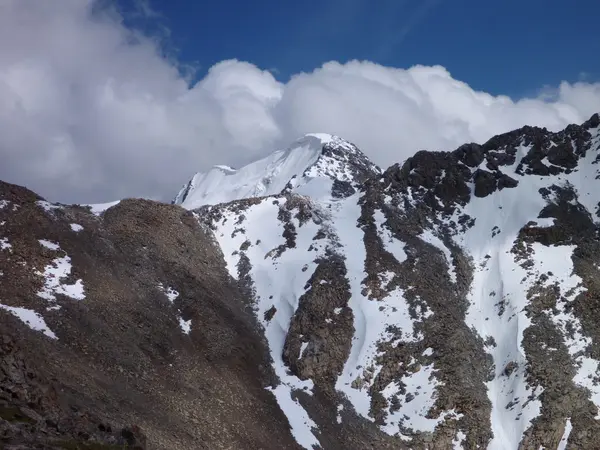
x=441 y=179
x=431 y=176
x=329 y=346
x=355 y=161
x=122 y=370
x=470 y=154
x=342 y=189
x=557 y=148
x=485 y=183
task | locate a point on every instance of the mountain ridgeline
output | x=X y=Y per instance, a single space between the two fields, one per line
x=312 y=300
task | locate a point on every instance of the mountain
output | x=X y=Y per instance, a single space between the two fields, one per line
x=448 y=303
x=119 y=328
x=311 y=300
x=313 y=156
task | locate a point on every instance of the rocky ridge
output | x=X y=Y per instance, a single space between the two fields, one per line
x=447 y=303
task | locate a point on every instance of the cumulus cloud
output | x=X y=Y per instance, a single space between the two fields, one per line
x=92 y=111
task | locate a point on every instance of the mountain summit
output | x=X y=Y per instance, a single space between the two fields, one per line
x=313 y=301
x=313 y=156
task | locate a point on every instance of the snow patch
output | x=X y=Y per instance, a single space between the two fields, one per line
x=76 y=227
x=371 y=322
x=562 y=445
x=458 y=441
x=557 y=261
x=340 y=408
x=171 y=293
x=419 y=397
x=498 y=301
x=302 y=349
x=186 y=325
x=390 y=243
x=53 y=273
x=98 y=208
x=5 y=245
x=49 y=244
x=30 y=318
x=279 y=280
x=432 y=239
x=302 y=425
x=47 y=206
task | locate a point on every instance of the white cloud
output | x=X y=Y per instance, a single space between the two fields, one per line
x=91 y=111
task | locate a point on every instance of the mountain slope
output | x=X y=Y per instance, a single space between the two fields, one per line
x=529 y=225
x=121 y=328
x=449 y=303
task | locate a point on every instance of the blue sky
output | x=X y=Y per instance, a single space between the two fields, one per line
x=512 y=47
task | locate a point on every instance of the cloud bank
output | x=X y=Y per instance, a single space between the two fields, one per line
x=91 y=111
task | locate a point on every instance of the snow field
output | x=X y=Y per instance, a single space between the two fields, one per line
x=172 y=294
x=498 y=294
x=279 y=282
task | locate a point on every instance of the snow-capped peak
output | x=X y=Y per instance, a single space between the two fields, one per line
x=314 y=156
